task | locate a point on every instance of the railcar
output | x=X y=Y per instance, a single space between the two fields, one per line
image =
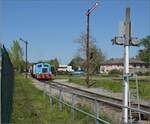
x=41 y=71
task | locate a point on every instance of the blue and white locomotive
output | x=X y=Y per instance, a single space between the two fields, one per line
x=41 y=71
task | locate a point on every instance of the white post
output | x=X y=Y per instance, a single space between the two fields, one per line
x=97 y=111
x=73 y=104
x=127 y=37
x=126 y=41
x=126 y=82
x=60 y=99
x=50 y=97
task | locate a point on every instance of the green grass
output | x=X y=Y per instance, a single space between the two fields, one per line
x=104 y=83
x=61 y=76
x=31 y=107
x=114 y=85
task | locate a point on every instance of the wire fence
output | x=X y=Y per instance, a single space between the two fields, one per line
x=73 y=102
x=56 y=93
x=7 y=81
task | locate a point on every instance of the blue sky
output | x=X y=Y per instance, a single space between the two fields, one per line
x=51 y=26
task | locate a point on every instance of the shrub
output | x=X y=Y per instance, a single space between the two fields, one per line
x=115 y=72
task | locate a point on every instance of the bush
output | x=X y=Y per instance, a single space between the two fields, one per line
x=115 y=72
x=62 y=73
x=140 y=73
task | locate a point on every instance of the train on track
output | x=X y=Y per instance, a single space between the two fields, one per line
x=41 y=71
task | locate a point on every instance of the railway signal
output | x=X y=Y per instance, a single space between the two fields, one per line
x=127 y=41
x=89 y=11
x=26 y=43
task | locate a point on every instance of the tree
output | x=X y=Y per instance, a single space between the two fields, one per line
x=144 y=54
x=16 y=55
x=82 y=40
x=77 y=62
x=96 y=55
x=54 y=62
x=0 y=45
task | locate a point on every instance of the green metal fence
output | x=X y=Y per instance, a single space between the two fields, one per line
x=7 y=81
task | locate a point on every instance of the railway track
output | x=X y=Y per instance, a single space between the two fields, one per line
x=110 y=101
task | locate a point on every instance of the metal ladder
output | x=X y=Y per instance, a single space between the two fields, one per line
x=134 y=99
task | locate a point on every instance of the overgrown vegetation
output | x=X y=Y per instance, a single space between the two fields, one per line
x=144 y=54
x=16 y=55
x=30 y=107
x=115 y=72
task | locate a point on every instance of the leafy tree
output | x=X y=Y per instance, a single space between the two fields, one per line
x=144 y=54
x=16 y=54
x=82 y=40
x=54 y=62
x=0 y=45
x=76 y=62
x=96 y=55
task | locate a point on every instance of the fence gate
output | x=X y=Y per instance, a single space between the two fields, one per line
x=7 y=79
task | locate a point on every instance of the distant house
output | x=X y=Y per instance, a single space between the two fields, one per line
x=64 y=68
x=134 y=65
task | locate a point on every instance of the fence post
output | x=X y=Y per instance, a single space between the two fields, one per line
x=60 y=99
x=97 y=111
x=44 y=89
x=73 y=104
x=50 y=97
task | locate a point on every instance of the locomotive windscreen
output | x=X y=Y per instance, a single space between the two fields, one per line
x=44 y=70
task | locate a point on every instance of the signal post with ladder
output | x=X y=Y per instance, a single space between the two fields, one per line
x=126 y=40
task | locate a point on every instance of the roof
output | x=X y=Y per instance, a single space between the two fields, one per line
x=118 y=61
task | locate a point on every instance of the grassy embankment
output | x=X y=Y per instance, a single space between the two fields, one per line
x=31 y=107
x=114 y=85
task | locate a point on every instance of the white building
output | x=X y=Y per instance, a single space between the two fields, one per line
x=134 y=65
x=65 y=68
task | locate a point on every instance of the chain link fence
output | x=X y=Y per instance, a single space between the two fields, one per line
x=7 y=81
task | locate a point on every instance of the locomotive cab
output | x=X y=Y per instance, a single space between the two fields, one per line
x=42 y=71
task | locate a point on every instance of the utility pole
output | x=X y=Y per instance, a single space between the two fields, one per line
x=87 y=43
x=127 y=41
x=26 y=43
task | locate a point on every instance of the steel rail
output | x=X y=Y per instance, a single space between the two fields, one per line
x=88 y=91
x=99 y=95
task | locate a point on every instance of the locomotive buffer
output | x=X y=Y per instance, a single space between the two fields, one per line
x=126 y=40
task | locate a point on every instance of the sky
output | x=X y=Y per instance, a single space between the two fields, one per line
x=51 y=26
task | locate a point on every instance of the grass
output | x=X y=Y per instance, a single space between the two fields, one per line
x=115 y=85
x=62 y=77
x=31 y=107
x=104 y=83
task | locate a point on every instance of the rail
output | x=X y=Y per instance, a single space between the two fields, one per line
x=73 y=91
x=101 y=100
